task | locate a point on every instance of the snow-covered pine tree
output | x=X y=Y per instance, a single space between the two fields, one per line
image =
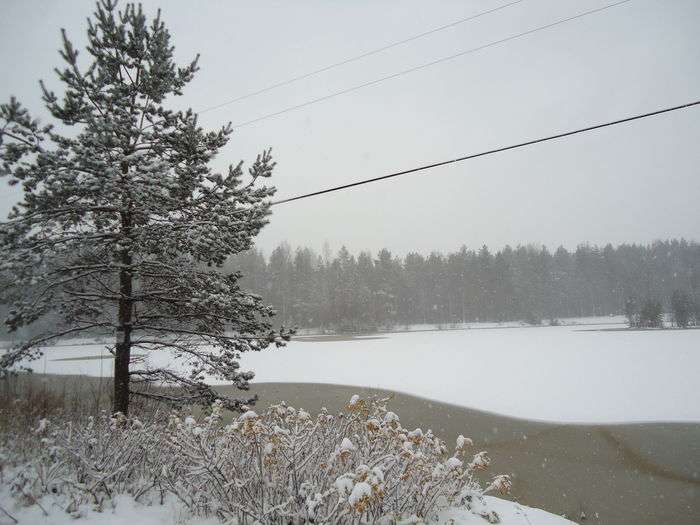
x=123 y=226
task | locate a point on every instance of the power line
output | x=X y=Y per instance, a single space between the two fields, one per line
x=359 y=57
x=489 y=152
x=429 y=64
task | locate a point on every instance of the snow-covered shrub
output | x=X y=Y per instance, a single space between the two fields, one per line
x=281 y=466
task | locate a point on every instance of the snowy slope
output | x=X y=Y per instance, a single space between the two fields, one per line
x=510 y=513
x=128 y=512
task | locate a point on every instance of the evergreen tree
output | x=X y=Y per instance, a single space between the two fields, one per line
x=682 y=308
x=526 y=283
x=504 y=294
x=344 y=291
x=632 y=312
x=417 y=301
x=302 y=287
x=456 y=286
x=562 y=283
x=387 y=275
x=434 y=278
x=651 y=314
x=279 y=282
x=123 y=227
x=486 y=283
x=252 y=265
x=370 y=313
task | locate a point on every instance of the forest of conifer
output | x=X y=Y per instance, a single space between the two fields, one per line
x=350 y=292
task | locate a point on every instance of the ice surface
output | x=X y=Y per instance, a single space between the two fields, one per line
x=563 y=373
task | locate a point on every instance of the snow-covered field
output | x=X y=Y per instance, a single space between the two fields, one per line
x=567 y=373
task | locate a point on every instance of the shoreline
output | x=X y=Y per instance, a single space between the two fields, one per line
x=455 y=406
x=320 y=335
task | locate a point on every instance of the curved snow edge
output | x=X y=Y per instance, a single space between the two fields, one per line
x=509 y=513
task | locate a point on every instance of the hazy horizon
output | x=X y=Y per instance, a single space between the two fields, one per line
x=334 y=247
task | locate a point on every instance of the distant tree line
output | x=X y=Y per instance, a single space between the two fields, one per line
x=347 y=292
x=527 y=283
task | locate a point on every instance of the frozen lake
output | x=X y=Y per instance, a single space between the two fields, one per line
x=565 y=373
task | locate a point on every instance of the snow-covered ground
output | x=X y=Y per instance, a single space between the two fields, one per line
x=125 y=512
x=565 y=373
x=509 y=513
x=128 y=512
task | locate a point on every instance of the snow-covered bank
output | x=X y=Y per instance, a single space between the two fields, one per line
x=509 y=513
x=619 y=320
x=125 y=511
x=128 y=512
x=545 y=373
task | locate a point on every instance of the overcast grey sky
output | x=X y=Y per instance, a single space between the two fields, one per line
x=631 y=183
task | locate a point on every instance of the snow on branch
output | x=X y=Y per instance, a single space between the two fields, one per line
x=124 y=226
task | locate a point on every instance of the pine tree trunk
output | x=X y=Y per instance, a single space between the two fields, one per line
x=123 y=346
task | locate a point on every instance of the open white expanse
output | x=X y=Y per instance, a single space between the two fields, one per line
x=548 y=373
